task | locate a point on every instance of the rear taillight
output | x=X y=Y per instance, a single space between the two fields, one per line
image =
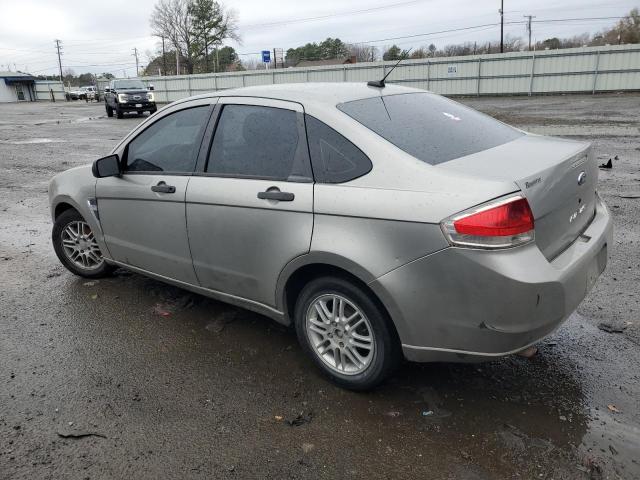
x=503 y=223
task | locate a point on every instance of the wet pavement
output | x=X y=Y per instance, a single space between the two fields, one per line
x=129 y=378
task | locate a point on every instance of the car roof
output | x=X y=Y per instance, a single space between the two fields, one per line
x=328 y=93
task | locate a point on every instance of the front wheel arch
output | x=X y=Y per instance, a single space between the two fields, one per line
x=61 y=208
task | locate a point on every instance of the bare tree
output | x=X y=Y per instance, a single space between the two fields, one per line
x=171 y=19
x=363 y=53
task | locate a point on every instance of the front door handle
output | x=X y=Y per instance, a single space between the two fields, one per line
x=162 y=187
x=274 y=193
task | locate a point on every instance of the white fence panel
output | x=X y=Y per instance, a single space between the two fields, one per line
x=575 y=70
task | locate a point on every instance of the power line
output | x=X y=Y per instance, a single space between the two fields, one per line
x=331 y=15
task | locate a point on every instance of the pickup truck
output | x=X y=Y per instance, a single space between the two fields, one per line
x=128 y=95
x=88 y=92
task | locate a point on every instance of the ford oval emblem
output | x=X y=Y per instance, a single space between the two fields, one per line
x=582 y=178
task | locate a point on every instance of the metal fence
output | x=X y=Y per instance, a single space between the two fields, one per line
x=574 y=70
x=44 y=89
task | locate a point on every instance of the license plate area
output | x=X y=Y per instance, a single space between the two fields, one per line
x=138 y=105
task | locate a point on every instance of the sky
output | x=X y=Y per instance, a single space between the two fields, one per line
x=100 y=36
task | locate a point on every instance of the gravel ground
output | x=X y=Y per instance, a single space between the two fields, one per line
x=209 y=391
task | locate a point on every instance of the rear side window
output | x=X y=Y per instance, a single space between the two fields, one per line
x=169 y=145
x=258 y=142
x=432 y=128
x=334 y=158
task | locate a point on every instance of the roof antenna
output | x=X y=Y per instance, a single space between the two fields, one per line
x=380 y=83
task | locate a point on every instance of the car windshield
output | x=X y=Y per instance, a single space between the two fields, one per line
x=129 y=85
x=432 y=128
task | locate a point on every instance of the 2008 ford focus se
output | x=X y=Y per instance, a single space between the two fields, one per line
x=380 y=222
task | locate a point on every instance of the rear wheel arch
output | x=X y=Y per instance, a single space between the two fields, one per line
x=304 y=274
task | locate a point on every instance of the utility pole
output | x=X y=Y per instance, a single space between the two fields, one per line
x=529 y=27
x=501 y=26
x=135 y=54
x=206 y=54
x=58 y=47
x=164 y=58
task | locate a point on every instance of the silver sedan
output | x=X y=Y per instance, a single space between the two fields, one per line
x=381 y=222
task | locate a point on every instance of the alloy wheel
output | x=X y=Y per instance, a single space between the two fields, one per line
x=340 y=334
x=80 y=246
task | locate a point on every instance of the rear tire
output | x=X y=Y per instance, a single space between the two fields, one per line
x=356 y=354
x=75 y=246
x=109 y=110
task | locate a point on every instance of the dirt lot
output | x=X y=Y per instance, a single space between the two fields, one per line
x=208 y=391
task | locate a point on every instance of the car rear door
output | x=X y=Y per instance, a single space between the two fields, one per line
x=142 y=213
x=250 y=206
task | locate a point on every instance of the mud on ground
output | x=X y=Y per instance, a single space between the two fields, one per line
x=130 y=378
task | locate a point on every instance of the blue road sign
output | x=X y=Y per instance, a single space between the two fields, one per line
x=266 y=56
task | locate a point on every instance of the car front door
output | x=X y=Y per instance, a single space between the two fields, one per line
x=142 y=213
x=250 y=206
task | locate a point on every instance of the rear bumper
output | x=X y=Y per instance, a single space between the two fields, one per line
x=465 y=305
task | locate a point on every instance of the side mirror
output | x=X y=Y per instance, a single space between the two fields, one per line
x=151 y=87
x=107 y=167
x=107 y=89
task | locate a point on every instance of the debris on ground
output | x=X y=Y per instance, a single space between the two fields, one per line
x=80 y=435
x=607 y=327
x=427 y=413
x=94 y=296
x=300 y=419
x=607 y=165
x=613 y=408
x=392 y=414
x=90 y=284
x=529 y=352
x=307 y=447
x=161 y=311
x=630 y=195
x=221 y=321
x=52 y=274
x=278 y=417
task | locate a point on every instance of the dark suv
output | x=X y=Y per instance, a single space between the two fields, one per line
x=128 y=96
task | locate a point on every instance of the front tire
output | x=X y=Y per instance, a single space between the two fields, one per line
x=76 y=247
x=346 y=332
x=119 y=113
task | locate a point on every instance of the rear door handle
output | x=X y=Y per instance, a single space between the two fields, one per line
x=274 y=193
x=162 y=187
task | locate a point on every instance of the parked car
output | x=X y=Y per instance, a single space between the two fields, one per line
x=128 y=95
x=90 y=92
x=380 y=222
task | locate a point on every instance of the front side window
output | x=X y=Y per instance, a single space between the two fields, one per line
x=257 y=142
x=432 y=128
x=334 y=158
x=169 y=145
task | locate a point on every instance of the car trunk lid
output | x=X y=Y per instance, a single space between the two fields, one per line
x=558 y=178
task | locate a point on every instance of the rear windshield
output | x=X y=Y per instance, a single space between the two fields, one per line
x=129 y=84
x=432 y=128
